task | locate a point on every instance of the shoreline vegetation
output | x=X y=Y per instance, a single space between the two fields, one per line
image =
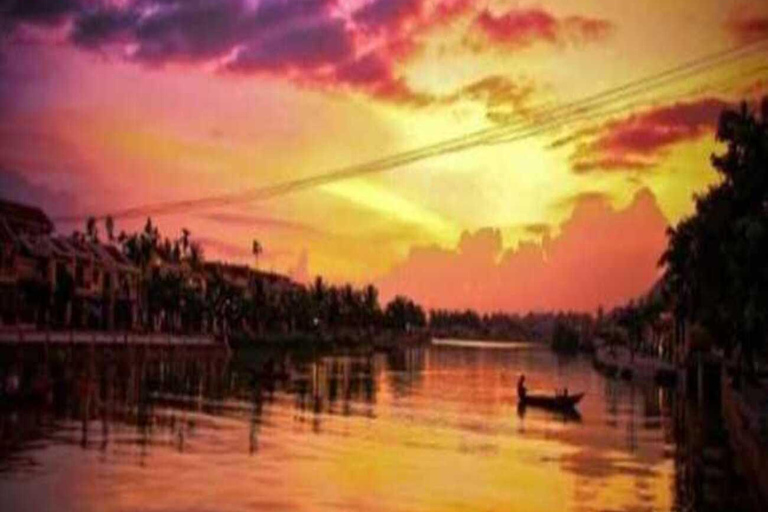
x=146 y=283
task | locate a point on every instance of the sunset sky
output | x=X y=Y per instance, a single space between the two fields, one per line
x=113 y=104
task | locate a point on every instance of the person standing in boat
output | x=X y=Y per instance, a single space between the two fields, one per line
x=521 y=390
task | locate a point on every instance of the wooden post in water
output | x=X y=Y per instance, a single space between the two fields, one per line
x=700 y=379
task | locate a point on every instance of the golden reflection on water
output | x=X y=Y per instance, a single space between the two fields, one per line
x=432 y=429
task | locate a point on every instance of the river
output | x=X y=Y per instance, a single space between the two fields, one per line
x=434 y=428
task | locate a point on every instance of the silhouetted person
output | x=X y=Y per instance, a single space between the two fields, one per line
x=521 y=391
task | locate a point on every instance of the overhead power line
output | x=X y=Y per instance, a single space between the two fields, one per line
x=540 y=120
x=594 y=116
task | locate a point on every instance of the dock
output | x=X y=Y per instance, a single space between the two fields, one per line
x=24 y=337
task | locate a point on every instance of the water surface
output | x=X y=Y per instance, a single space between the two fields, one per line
x=425 y=429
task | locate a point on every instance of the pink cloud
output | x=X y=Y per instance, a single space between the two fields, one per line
x=227 y=250
x=747 y=29
x=636 y=142
x=217 y=248
x=524 y=27
x=260 y=222
x=601 y=257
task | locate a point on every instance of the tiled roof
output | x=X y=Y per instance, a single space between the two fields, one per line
x=61 y=247
x=36 y=246
x=6 y=235
x=118 y=256
x=79 y=248
x=25 y=219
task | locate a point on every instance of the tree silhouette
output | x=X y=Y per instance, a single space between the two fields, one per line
x=402 y=314
x=716 y=269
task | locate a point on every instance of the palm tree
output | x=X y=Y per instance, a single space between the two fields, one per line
x=256 y=250
x=109 y=225
x=91 y=230
x=185 y=233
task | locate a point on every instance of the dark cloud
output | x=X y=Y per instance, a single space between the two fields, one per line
x=637 y=141
x=387 y=14
x=191 y=31
x=102 y=26
x=300 y=47
x=17 y=188
x=313 y=43
x=303 y=40
x=167 y=31
x=45 y=12
x=414 y=16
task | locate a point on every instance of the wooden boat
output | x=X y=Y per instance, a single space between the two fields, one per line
x=559 y=402
x=568 y=414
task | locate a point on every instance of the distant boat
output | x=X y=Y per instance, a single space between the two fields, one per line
x=558 y=402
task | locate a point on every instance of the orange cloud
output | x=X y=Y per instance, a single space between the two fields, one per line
x=601 y=257
x=502 y=96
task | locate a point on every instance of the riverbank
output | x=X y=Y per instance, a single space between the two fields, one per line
x=619 y=361
x=325 y=342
